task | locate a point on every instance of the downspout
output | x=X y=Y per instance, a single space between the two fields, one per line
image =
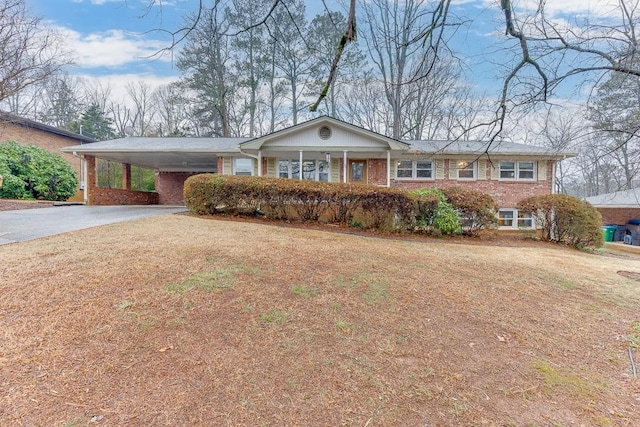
x=258 y=158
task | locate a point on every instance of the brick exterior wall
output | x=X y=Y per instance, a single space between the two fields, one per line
x=170 y=187
x=619 y=216
x=377 y=171
x=48 y=141
x=507 y=194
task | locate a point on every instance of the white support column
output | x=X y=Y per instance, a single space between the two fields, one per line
x=85 y=171
x=259 y=162
x=300 y=168
x=388 y=168
x=344 y=166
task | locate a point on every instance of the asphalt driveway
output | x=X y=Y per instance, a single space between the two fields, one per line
x=27 y=224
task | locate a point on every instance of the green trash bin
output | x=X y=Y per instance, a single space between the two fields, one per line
x=608 y=232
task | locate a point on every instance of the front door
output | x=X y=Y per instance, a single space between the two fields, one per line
x=358 y=171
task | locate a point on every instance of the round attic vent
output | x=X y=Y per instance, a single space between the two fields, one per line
x=324 y=132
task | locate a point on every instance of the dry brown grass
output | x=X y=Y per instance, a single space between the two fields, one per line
x=179 y=320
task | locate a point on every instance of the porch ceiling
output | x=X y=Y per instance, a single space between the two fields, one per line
x=164 y=161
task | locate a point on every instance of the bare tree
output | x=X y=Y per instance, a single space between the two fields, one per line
x=206 y=61
x=62 y=100
x=563 y=131
x=365 y=104
x=171 y=112
x=29 y=52
x=396 y=43
x=249 y=47
x=142 y=110
x=324 y=34
x=293 y=62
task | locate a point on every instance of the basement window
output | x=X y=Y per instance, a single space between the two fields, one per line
x=512 y=218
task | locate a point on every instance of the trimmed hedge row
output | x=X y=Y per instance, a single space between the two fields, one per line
x=367 y=206
x=288 y=199
x=565 y=219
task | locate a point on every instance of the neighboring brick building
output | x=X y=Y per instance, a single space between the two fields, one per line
x=619 y=207
x=29 y=132
x=327 y=149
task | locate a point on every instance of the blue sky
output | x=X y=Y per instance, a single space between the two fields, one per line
x=112 y=40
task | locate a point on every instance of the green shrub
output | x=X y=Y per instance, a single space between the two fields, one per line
x=31 y=172
x=434 y=212
x=565 y=219
x=477 y=210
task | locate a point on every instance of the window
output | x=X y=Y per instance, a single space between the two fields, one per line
x=466 y=169
x=323 y=170
x=507 y=170
x=525 y=170
x=414 y=169
x=242 y=166
x=283 y=169
x=517 y=170
x=505 y=217
x=512 y=218
x=313 y=170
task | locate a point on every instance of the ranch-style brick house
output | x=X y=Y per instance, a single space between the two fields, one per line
x=328 y=149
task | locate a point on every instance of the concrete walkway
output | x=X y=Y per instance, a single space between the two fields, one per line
x=28 y=224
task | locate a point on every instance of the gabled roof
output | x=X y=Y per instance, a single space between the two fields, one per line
x=200 y=154
x=28 y=123
x=376 y=141
x=618 y=199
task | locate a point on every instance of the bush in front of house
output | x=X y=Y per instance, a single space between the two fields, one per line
x=565 y=219
x=434 y=212
x=368 y=206
x=31 y=172
x=289 y=199
x=477 y=210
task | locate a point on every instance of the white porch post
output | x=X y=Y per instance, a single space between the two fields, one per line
x=259 y=162
x=344 y=167
x=85 y=171
x=388 y=168
x=300 y=167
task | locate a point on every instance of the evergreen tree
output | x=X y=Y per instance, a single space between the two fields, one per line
x=94 y=124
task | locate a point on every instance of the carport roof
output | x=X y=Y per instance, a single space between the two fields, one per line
x=162 y=153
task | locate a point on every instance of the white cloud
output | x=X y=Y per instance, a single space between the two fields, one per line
x=116 y=83
x=111 y=48
x=577 y=8
x=97 y=2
